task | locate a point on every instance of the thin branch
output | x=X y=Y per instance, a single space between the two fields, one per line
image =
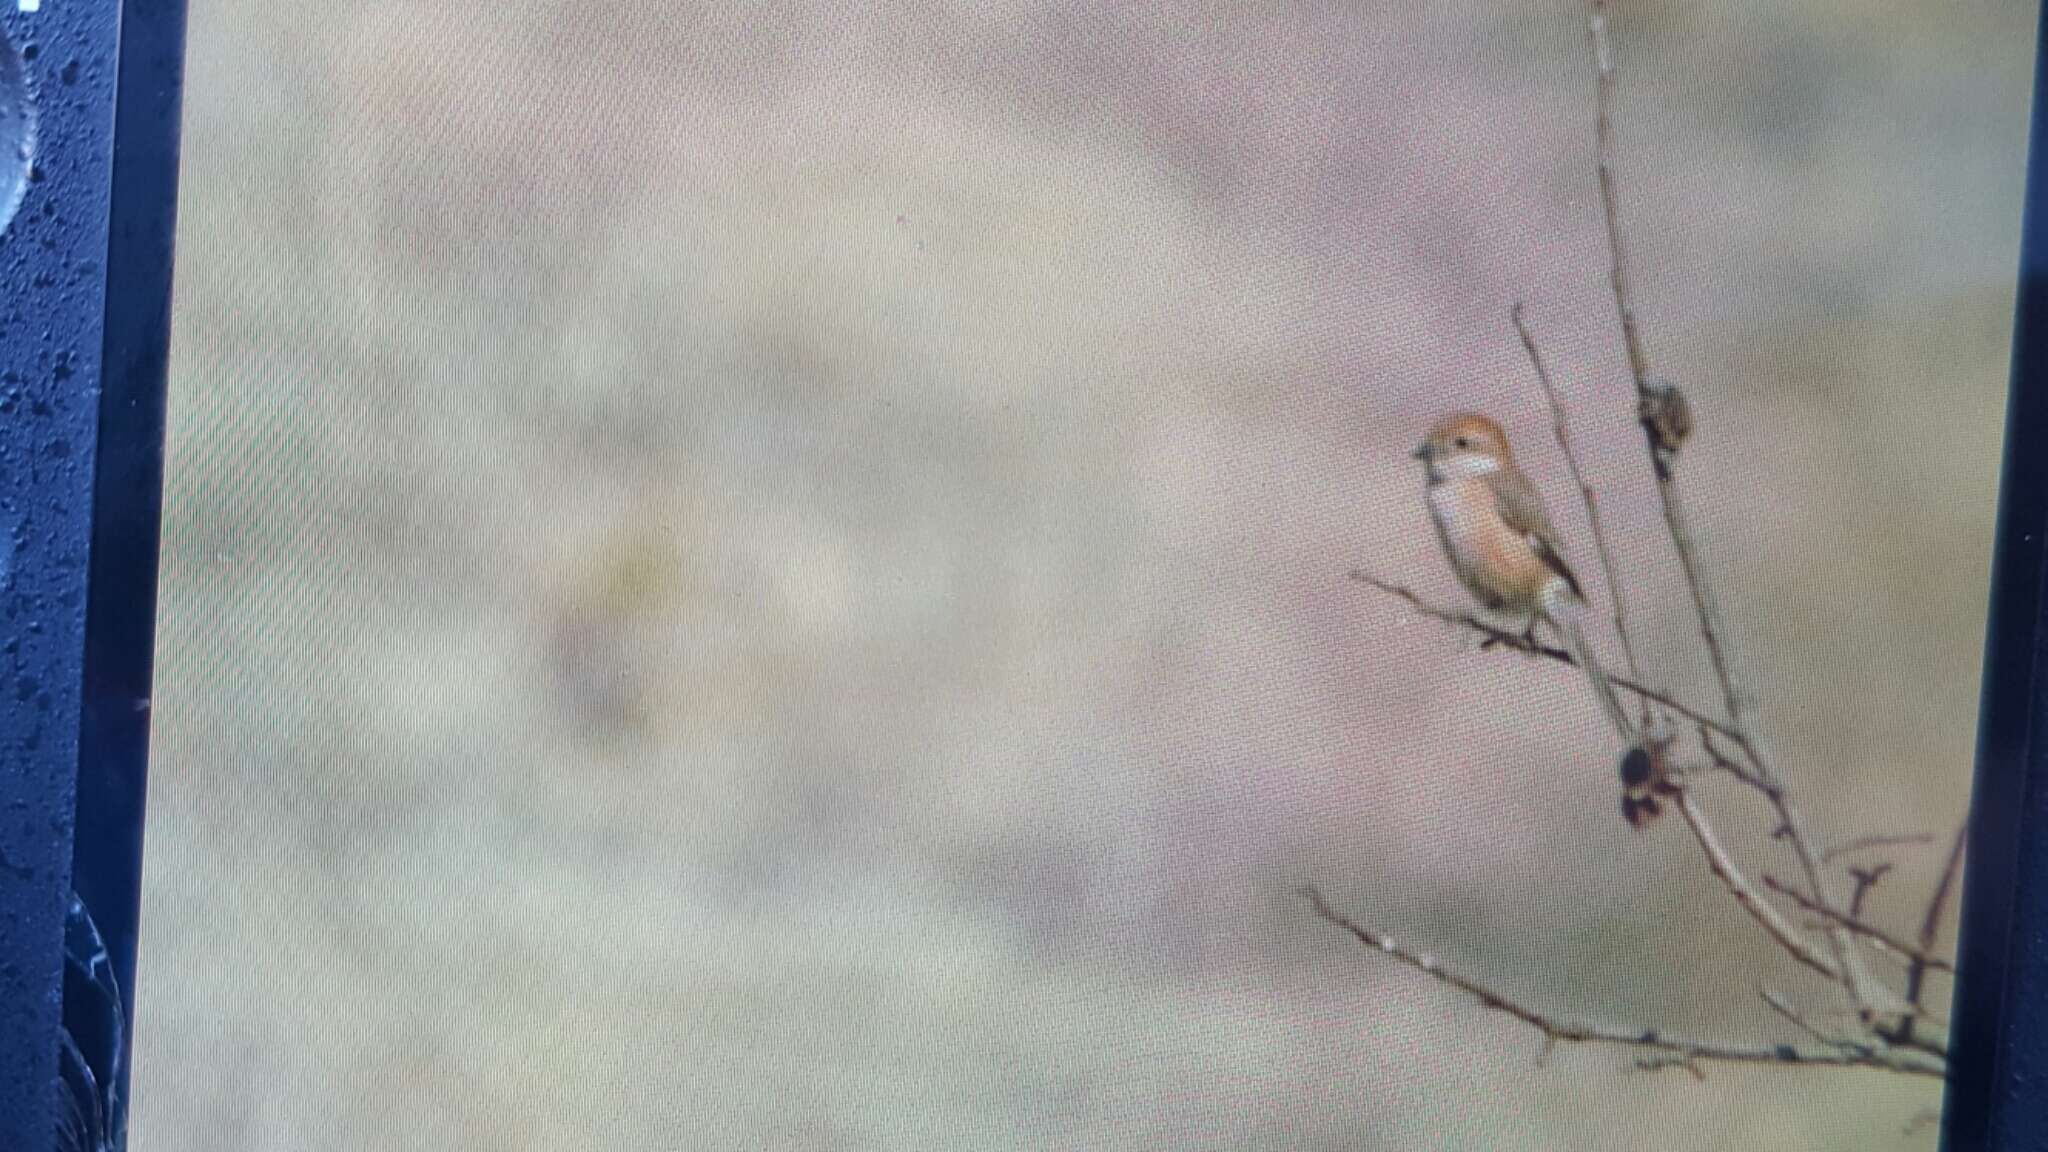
x=1586 y=494
x=1861 y=843
x=1500 y=637
x=1603 y=135
x=1855 y=977
x=1672 y=1050
x=1930 y=926
x=1732 y=766
x=1916 y=1029
x=1753 y=902
x=1797 y=1019
x=1690 y=1065
x=1905 y=1037
x=1868 y=931
x=1666 y=419
x=1865 y=879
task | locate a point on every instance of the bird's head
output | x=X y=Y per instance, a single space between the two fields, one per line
x=1464 y=444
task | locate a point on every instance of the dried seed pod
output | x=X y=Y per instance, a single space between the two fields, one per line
x=1667 y=417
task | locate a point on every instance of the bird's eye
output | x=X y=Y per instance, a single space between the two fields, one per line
x=1462 y=442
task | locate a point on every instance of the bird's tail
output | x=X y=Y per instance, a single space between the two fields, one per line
x=1570 y=617
x=1639 y=774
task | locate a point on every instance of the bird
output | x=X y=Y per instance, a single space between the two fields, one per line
x=1501 y=545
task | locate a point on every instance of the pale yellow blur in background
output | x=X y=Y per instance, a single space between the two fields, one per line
x=771 y=576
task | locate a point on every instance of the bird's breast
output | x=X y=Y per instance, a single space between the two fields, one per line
x=1492 y=560
x=1461 y=509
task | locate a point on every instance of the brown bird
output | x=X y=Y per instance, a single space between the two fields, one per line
x=1500 y=542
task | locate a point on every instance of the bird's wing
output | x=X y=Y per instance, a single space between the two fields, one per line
x=1521 y=507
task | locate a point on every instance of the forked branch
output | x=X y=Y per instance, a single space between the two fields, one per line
x=1494 y=636
x=1930 y=927
x=1560 y=426
x=1865 y=843
x=1887 y=1038
x=1667 y=1050
x=1666 y=420
x=1753 y=902
x=1884 y=940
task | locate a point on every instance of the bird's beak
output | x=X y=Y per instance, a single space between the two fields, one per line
x=1421 y=451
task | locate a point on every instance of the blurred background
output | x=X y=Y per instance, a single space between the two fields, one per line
x=772 y=576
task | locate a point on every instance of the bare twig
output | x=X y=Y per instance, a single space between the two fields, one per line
x=1656 y=402
x=1753 y=902
x=1863 y=843
x=1500 y=637
x=1603 y=135
x=1855 y=977
x=1916 y=1029
x=1905 y=1036
x=1732 y=766
x=1688 y=1064
x=1797 y=1019
x=1865 y=879
x=1670 y=1051
x=1868 y=931
x=1559 y=426
x=1930 y=927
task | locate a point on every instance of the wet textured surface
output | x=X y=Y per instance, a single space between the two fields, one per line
x=51 y=296
x=17 y=131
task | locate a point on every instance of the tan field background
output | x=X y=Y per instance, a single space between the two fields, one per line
x=771 y=575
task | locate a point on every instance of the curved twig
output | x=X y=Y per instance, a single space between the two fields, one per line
x=1515 y=641
x=1865 y=929
x=1745 y=893
x=1863 y=843
x=1655 y=399
x=1930 y=927
x=1669 y=1050
x=1561 y=429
